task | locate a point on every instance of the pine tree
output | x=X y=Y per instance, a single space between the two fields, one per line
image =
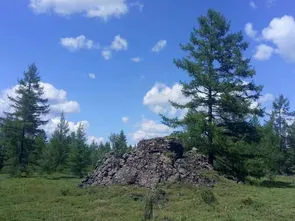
x=281 y=117
x=1 y=149
x=55 y=157
x=21 y=127
x=79 y=156
x=119 y=143
x=291 y=151
x=221 y=89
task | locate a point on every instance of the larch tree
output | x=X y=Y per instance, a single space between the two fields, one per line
x=221 y=89
x=79 y=158
x=55 y=156
x=21 y=126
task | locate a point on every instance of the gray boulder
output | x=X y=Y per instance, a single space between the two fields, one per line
x=155 y=161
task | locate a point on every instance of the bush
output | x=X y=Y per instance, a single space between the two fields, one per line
x=208 y=196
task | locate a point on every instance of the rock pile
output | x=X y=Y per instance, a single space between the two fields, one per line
x=154 y=161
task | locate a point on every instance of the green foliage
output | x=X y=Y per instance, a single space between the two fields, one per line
x=40 y=198
x=98 y=153
x=119 y=143
x=21 y=126
x=56 y=154
x=149 y=207
x=208 y=196
x=79 y=156
x=221 y=89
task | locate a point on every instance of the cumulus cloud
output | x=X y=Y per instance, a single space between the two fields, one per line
x=106 y=53
x=263 y=52
x=125 y=120
x=66 y=107
x=159 y=46
x=250 y=31
x=150 y=129
x=97 y=140
x=119 y=44
x=266 y=98
x=136 y=59
x=103 y=9
x=252 y=4
x=77 y=43
x=73 y=126
x=281 y=32
x=91 y=75
x=57 y=98
x=159 y=96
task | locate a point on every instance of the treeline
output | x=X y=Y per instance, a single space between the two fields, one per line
x=224 y=119
x=24 y=147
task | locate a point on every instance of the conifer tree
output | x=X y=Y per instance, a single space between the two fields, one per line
x=281 y=117
x=221 y=87
x=21 y=127
x=55 y=156
x=79 y=155
x=119 y=143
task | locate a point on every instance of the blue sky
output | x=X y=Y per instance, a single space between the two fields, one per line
x=128 y=89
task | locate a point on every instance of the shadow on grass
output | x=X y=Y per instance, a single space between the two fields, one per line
x=276 y=184
x=62 y=177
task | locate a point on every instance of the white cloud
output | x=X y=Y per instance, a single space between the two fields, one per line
x=263 y=52
x=51 y=93
x=103 y=9
x=66 y=107
x=266 y=98
x=136 y=59
x=119 y=44
x=79 y=42
x=73 y=127
x=264 y=101
x=150 y=129
x=252 y=4
x=160 y=45
x=53 y=122
x=281 y=32
x=125 y=120
x=250 y=31
x=94 y=139
x=159 y=96
x=107 y=54
x=91 y=75
x=57 y=98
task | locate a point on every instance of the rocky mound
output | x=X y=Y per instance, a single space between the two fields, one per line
x=155 y=161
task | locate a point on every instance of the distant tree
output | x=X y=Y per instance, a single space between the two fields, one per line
x=221 y=90
x=291 y=150
x=79 y=156
x=119 y=143
x=56 y=155
x=281 y=117
x=21 y=127
x=94 y=153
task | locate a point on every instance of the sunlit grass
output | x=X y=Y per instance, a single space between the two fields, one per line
x=30 y=199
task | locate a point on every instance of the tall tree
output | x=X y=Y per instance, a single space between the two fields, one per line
x=22 y=125
x=221 y=89
x=79 y=155
x=281 y=117
x=119 y=143
x=56 y=155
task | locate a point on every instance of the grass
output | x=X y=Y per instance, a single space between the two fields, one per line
x=59 y=198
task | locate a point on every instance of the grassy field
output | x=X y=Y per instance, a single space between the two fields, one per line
x=59 y=198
